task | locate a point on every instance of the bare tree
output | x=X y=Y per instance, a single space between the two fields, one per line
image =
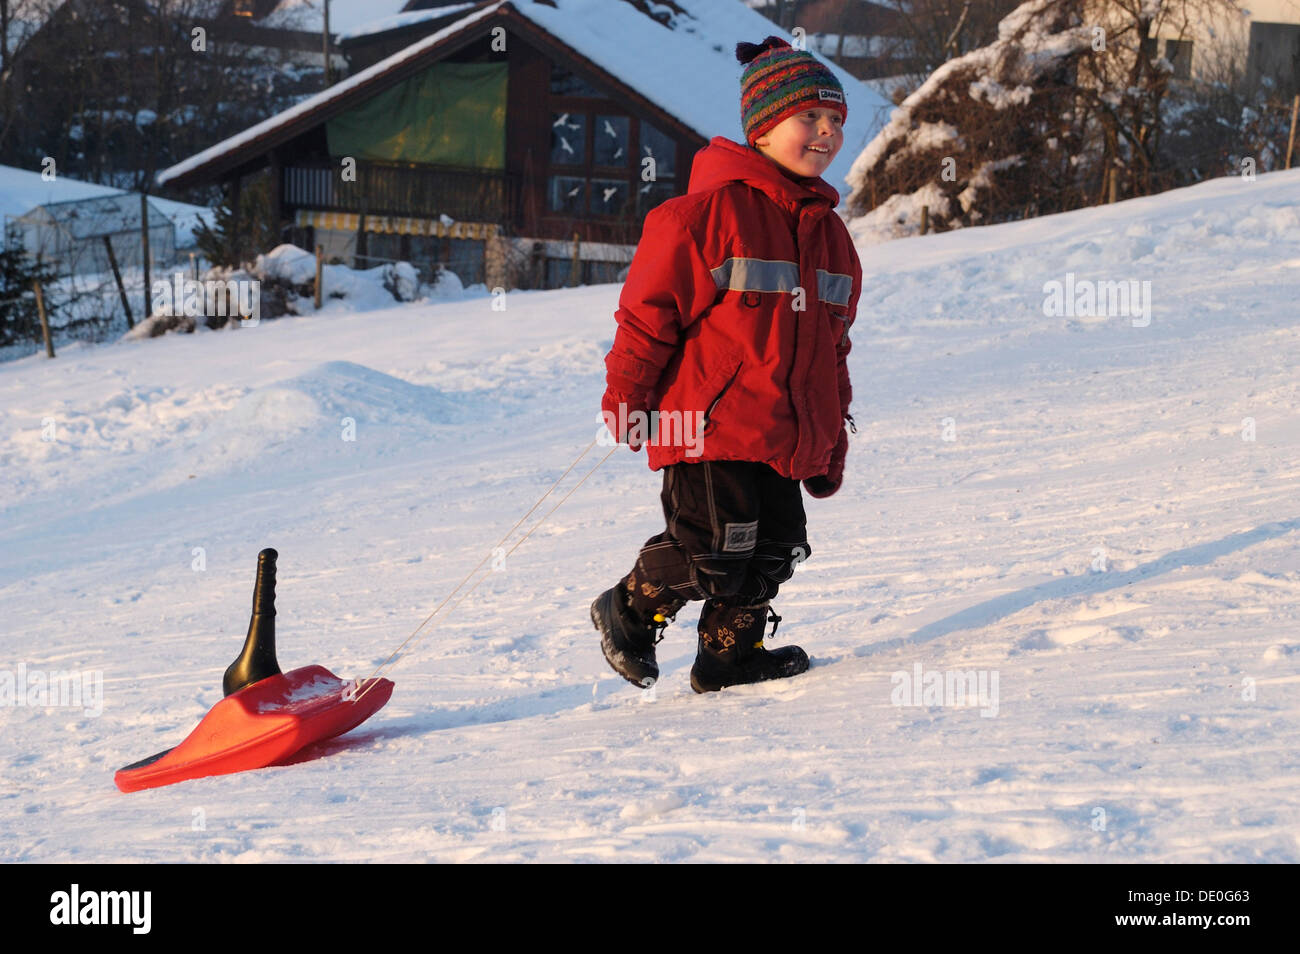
x=114 y=90
x=20 y=20
x=935 y=31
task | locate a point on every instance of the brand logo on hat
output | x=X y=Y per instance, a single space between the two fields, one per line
x=834 y=95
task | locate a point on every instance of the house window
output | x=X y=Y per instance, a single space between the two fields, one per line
x=609 y=196
x=568 y=194
x=1179 y=53
x=661 y=148
x=559 y=272
x=462 y=257
x=1275 y=54
x=568 y=139
x=618 y=179
x=609 y=144
x=661 y=172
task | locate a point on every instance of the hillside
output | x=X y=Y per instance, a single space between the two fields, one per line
x=1110 y=533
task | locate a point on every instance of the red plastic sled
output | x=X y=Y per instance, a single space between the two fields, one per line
x=261 y=725
x=267 y=715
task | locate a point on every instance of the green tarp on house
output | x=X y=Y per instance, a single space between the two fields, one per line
x=451 y=114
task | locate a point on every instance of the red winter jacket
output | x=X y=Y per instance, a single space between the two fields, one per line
x=736 y=313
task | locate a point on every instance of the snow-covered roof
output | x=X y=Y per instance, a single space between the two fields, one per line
x=324 y=97
x=345 y=15
x=22 y=190
x=685 y=65
x=406 y=18
x=688 y=68
x=99 y=215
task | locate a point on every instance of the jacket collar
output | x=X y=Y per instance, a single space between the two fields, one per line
x=723 y=161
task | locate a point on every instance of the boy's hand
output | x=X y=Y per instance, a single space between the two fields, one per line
x=623 y=412
x=825 y=485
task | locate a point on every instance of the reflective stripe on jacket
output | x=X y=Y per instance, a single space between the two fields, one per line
x=735 y=315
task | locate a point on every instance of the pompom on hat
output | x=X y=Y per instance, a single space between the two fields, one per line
x=780 y=81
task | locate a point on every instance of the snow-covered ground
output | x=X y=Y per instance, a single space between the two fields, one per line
x=1071 y=505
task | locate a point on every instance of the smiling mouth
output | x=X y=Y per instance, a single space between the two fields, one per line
x=821 y=149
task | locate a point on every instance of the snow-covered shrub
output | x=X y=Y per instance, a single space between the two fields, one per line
x=1072 y=105
x=285 y=280
x=988 y=136
x=401 y=280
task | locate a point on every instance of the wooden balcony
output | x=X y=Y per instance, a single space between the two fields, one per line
x=391 y=189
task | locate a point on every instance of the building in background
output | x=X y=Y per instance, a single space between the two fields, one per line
x=1259 y=42
x=514 y=142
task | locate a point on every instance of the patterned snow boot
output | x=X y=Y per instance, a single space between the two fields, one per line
x=627 y=637
x=731 y=649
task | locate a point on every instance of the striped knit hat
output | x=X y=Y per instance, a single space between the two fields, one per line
x=780 y=81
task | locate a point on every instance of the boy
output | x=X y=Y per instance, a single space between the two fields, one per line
x=733 y=329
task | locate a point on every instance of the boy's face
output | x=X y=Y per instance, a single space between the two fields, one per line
x=804 y=144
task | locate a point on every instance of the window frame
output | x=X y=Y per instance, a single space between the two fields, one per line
x=592 y=108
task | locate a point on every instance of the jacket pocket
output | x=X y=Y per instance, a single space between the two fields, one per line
x=731 y=379
x=841 y=325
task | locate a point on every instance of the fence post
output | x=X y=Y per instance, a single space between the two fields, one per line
x=45 y=322
x=144 y=247
x=1290 y=144
x=121 y=289
x=363 y=243
x=319 y=251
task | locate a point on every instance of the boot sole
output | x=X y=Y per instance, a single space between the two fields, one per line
x=611 y=654
x=702 y=687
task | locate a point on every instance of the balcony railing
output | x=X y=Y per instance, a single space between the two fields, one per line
x=381 y=189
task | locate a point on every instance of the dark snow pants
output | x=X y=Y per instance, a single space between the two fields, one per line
x=735 y=530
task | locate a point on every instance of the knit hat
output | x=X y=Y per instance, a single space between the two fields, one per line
x=780 y=81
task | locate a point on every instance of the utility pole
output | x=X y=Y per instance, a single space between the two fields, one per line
x=325 y=39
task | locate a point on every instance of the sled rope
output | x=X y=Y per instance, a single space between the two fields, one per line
x=370 y=681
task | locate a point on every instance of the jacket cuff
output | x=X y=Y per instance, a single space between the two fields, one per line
x=821 y=486
x=630 y=374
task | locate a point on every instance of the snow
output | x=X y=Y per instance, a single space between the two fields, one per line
x=232 y=291
x=407 y=18
x=1111 y=531
x=899 y=215
x=933 y=135
x=346 y=16
x=997 y=95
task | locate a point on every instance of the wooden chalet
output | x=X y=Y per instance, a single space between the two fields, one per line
x=481 y=133
x=517 y=143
